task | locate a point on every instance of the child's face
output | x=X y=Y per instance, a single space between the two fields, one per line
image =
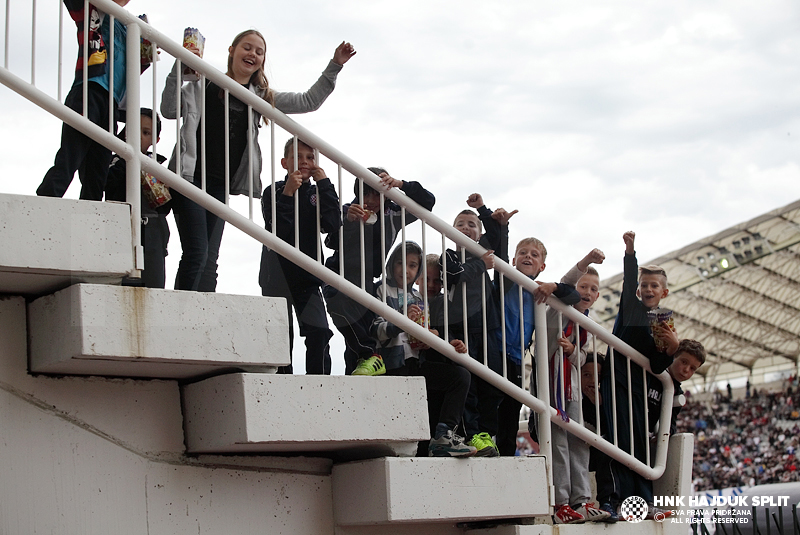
x=683 y=367
x=305 y=161
x=587 y=381
x=147 y=132
x=434 y=281
x=469 y=225
x=248 y=56
x=408 y=275
x=651 y=289
x=529 y=260
x=589 y=289
x=372 y=201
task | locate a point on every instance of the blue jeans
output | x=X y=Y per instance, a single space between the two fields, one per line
x=201 y=235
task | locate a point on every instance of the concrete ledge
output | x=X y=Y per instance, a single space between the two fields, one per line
x=138 y=332
x=342 y=416
x=647 y=527
x=52 y=243
x=389 y=490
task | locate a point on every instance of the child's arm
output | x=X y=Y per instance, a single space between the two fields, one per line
x=566 y=293
x=473 y=268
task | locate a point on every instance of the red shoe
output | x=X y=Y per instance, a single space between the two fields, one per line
x=567 y=515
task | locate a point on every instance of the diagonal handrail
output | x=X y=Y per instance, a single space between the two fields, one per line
x=129 y=151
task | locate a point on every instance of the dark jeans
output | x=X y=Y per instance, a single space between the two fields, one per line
x=201 y=235
x=353 y=320
x=508 y=414
x=79 y=152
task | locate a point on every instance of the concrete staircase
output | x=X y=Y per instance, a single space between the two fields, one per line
x=136 y=411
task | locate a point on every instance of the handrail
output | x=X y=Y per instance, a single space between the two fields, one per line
x=129 y=151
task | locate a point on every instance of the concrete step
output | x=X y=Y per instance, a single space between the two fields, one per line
x=425 y=490
x=646 y=527
x=49 y=243
x=343 y=417
x=90 y=329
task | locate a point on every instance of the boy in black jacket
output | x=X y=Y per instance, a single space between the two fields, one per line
x=279 y=277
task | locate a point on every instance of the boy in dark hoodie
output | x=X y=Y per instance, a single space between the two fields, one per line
x=351 y=318
x=401 y=352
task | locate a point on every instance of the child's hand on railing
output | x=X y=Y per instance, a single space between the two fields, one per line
x=488 y=259
x=343 y=53
x=459 y=346
x=293 y=183
x=475 y=200
x=501 y=215
x=389 y=182
x=566 y=346
x=318 y=174
x=544 y=291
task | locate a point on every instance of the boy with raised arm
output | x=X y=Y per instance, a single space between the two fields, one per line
x=469 y=277
x=642 y=291
x=279 y=277
x=569 y=346
x=351 y=318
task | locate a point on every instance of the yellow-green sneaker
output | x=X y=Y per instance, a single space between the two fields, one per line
x=485 y=445
x=371 y=366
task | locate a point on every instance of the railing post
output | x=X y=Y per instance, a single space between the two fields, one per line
x=133 y=168
x=543 y=393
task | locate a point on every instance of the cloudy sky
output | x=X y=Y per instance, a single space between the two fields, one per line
x=673 y=119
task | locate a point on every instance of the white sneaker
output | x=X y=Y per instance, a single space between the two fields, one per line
x=592 y=513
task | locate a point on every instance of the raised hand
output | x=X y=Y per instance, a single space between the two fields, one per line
x=343 y=53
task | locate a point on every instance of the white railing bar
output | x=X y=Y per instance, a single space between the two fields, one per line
x=273 y=198
x=403 y=253
x=646 y=418
x=380 y=215
x=295 y=197
x=133 y=187
x=8 y=18
x=444 y=286
x=226 y=145
x=154 y=116
x=465 y=325
x=202 y=148
x=60 y=46
x=426 y=316
x=502 y=289
x=596 y=385
x=179 y=120
x=85 y=70
x=361 y=253
x=613 y=394
x=484 y=325
x=341 y=213
x=110 y=63
x=250 y=148
x=320 y=259
x=543 y=390
x=33 y=42
x=630 y=407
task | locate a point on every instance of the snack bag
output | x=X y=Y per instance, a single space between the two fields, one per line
x=155 y=191
x=657 y=316
x=148 y=52
x=193 y=40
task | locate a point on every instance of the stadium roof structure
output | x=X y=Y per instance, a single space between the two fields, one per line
x=738 y=292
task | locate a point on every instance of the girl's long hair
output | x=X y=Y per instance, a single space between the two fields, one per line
x=258 y=78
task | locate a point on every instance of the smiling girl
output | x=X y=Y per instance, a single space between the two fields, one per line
x=201 y=231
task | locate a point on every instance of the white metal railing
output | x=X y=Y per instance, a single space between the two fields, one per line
x=651 y=468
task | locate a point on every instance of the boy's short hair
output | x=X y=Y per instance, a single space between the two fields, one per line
x=591 y=271
x=432 y=260
x=472 y=213
x=652 y=269
x=535 y=242
x=288 y=147
x=692 y=347
x=147 y=112
x=367 y=188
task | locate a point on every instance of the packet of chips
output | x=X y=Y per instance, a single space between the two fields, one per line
x=193 y=40
x=155 y=191
x=148 y=51
x=657 y=316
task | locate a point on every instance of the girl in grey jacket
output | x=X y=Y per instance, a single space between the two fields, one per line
x=201 y=231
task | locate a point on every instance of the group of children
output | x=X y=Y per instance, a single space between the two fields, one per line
x=491 y=320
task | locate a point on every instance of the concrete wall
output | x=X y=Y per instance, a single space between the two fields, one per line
x=98 y=456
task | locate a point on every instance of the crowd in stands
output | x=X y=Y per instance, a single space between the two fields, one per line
x=746 y=441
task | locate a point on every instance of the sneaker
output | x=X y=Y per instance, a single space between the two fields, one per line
x=657 y=513
x=445 y=443
x=484 y=445
x=371 y=366
x=592 y=513
x=566 y=515
x=612 y=513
